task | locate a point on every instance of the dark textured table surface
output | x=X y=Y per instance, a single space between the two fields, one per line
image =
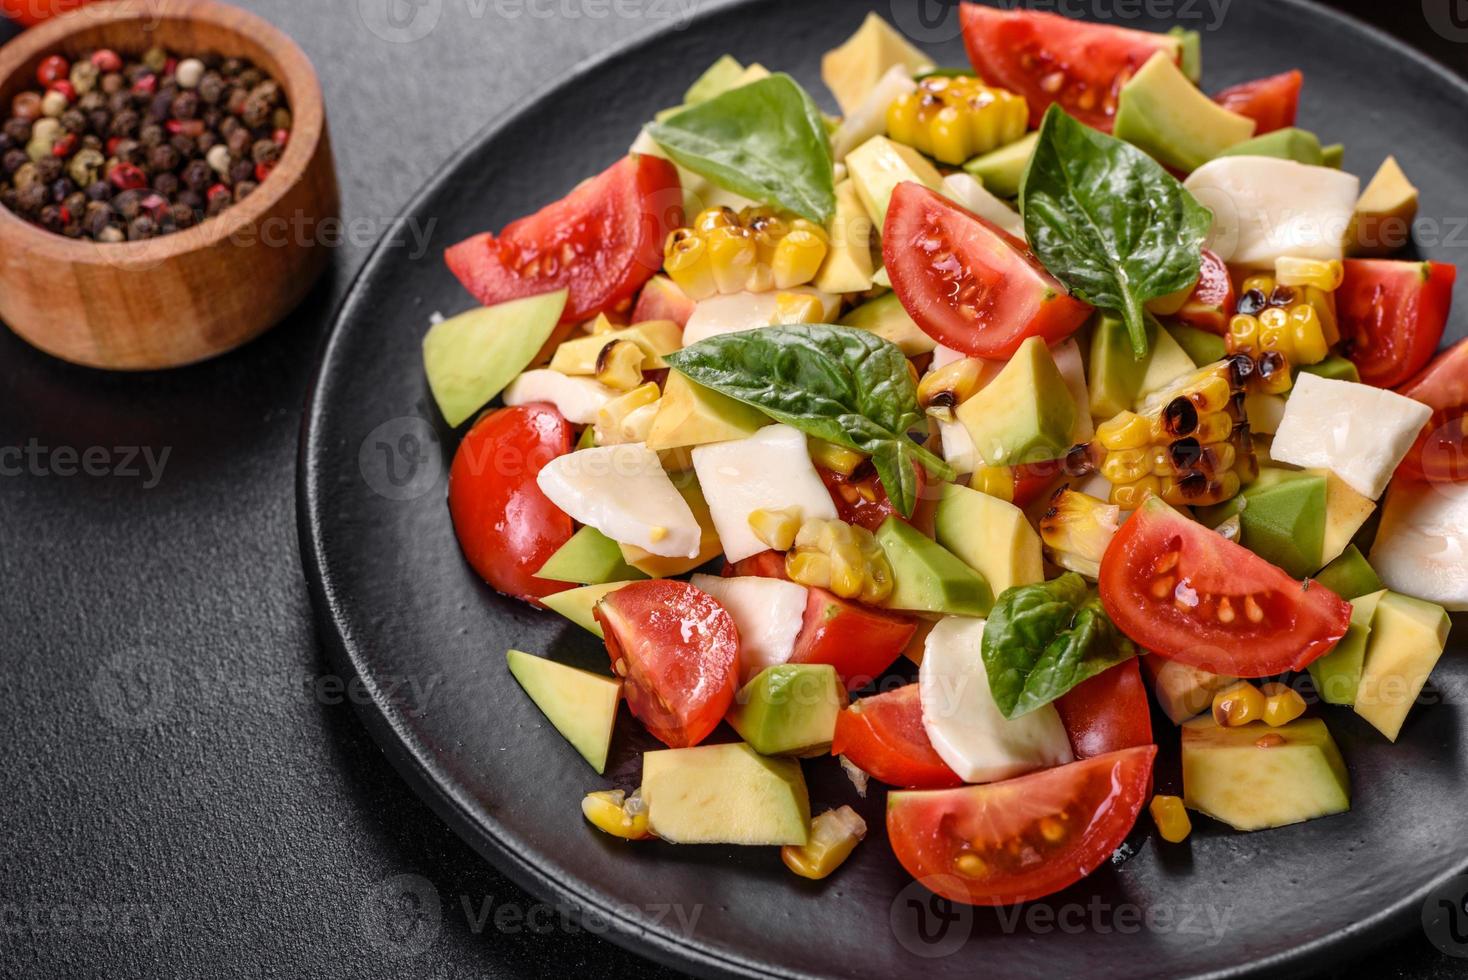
x=183 y=791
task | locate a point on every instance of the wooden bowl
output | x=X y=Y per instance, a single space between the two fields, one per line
x=191 y=295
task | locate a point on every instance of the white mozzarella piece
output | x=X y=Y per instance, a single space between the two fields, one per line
x=965 y=190
x=1358 y=432
x=1421 y=548
x=737 y=312
x=1264 y=208
x=959 y=450
x=966 y=727
x=577 y=399
x=1068 y=361
x=769 y=470
x=870 y=117
x=624 y=492
x=768 y=613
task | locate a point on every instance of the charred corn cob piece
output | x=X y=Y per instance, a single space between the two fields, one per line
x=943 y=390
x=831 y=554
x=753 y=250
x=953 y=118
x=1298 y=285
x=1190 y=445
x=1076 y=530
x=833 y=836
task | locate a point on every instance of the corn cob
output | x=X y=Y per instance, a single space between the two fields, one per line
x=754 y=250
x=954 y=118
x=1285 y=320
x=1190 y=446
x=1076 y=530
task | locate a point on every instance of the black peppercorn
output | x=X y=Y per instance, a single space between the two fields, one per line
x=32 y=199
x=18 y=131
x=251 y=77
x=198 y=175
x=186 y=106
x=128 y=204
x=49 y=169
x=124 y=123
x=98 y=216
x=61 y=190
x=167 y=185
x=241 y=170
x=193 y=200
x=128 y=151
x=160 y=106
x=163 y=157
x=99 y=191
x=141 y=228
x=244 y=189
x=266 y=151
x=99 y=121
x=13 y=161
x=182 y=215
x=212 y=88
x=74 y=121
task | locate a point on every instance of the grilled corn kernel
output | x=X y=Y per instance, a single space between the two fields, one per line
x=1307 y=335
x=1323 y=275
x=1171 y=818
x=1238 y=704
x=619 y=365
x=833 y=836
x=720 y=217
x=799 y=255
x=1076 y=530
x=734 y=256
x=958 y=117
x=1126 y=431
x=1282 y=704
x=796 y=308
x=686 y=259
x=617 y=814
x=755 y=250
x=627 y=418
x=996 y=481
x=1132 y=495
x=940 y=392
x=837 y=459
x=776 y=528
x=831 y=554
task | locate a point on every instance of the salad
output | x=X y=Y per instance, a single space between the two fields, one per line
x=943 y=439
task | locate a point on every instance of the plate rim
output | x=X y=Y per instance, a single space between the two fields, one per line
x=484 y=836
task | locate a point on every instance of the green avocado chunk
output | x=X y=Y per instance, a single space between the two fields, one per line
x=1336 y=368
x=1299 y=145
x=589 y=558
x=1337 y=675
x=1201 y=346
x=1407 y=639
x=582 y=705
x=991 y=536
x=725 y=794
x=1026 y=414
x=928 y=577
x=577 y=604
x=1230 y=776
x=789 y=709
x=1164 y=114
x=1002 y=170
x=471 y=358
x=1350 y=576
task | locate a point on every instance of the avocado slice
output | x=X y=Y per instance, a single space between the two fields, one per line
x=789 y=709
x=1201 y=346
x=1026 y=414
x=885 y=317
x=853 y=69
x=1382 y=222
x=1336 y=368
x=929 y=578
x=1003 y=170
x=1346 y=511
x=1164 y=114
x=1191 y=59
x=589 y=558
x=725 y=794
x=991 y=536
x=581 y=705
x=470 y=358
x=879 y=165
x=1118 y=379
x=1230 y=776
x=1333 y=156
x=1407 y=639
x=577 y=604
x=1337 y=675
x=718 y=78
x=1284 y=523
x=691 y=415
x=1350 y=576
x=1299 y=145
x=848 y=265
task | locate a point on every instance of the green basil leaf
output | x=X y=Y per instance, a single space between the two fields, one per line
x=1108 y=221
x=766 y=140
x=844 y=385
x=1042 y=640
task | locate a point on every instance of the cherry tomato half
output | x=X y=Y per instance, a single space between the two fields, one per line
x=1023 y=838
x=1188 y=594
x=968 y=284
x=1441 y=452
x=678 y=650
x=1212 y=302
x=1271 y=102
x=1108 y=712
x=766 y=564
x=506 y=527
x=860 y=642
x=861 y=499
x=1048 y=58
x=884 y=737
x=601 y=242
x=1392 y=314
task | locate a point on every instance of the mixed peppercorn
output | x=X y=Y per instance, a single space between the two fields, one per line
x=114 y=150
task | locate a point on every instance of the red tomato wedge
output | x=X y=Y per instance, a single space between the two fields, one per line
x=1392 y=314
x=1187 y=594
x=1108 y=712
x=860 y=642
x=1048 y=58
x=601 y=242
x=1024 y=838
x=884 y=737
x=505 y=525
x=1271 y=102
x=678 y=651
x=1213 y=301
x=766 y=564
x=661 y=299
x=968 y=284
x=861 y=499
x=1441 y=452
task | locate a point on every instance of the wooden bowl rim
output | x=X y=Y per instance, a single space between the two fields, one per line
x=308 y=128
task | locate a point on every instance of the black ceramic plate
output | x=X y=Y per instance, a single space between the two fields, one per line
x=399 y=607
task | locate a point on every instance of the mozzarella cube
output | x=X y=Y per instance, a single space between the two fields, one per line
x=959 y=450
x=1358 y=432
x=1421 y=549
x=768 y=612
x=577 y=399
x=624 y=492
x=737 y=312
x=1068 y=361
x=1264 y=208
x=770 y=470
x=966 y=727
